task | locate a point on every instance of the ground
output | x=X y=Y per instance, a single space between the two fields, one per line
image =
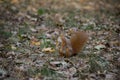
x=28 y=35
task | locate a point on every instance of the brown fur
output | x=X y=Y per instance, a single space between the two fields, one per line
x=78 y=40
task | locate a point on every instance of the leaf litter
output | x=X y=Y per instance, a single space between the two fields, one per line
x=30 y=29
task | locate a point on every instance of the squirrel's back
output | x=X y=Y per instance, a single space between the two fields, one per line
x=78 y=40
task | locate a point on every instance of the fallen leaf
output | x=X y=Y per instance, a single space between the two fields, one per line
x=14 y=1
x=13 y=47
x=33 y=29
x=3 y=73
x=49 y=49
x=100 y=46
x=56 y=63
x=72 y=71
x=36 y=43
x=110 y=76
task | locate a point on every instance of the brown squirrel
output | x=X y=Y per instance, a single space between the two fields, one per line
x=69 y=47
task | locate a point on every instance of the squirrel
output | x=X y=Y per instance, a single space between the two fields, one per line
x=70 y=47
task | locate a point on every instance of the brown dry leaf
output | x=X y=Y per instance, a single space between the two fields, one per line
x=58 y=18
x=49 y=49
x=88 y=7
x=115 y=43
x=35 y=42
x=15 y=1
